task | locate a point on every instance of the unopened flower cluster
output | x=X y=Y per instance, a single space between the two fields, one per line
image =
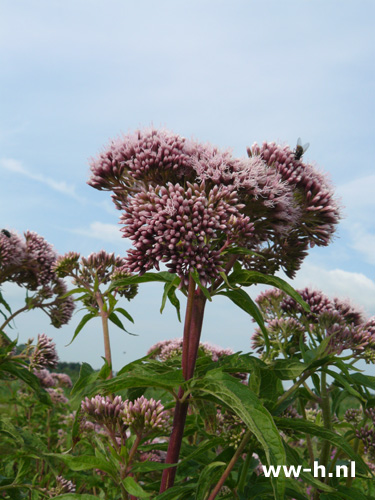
x=29 y=262
x=338 y=320
x=185 y=204
x=63 y=486
x=44 y=354
x=142 y=415
x=101 y=268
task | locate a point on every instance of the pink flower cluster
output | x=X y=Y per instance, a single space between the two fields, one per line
x=185 y=203
x=44 y=354
x=53 y=380
x=166 y=349
x=100 y=266
x=141 y=416
x=144 y=415
x=29 y=262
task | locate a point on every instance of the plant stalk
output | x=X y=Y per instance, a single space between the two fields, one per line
x=192 y=332
x=107 y=345
x=230 y=466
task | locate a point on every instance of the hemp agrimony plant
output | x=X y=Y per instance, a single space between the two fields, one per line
x=218 y=223
x=89 y=275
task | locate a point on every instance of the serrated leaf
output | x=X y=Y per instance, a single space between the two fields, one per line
x=86 y=318
x=247 y=278
x=29 y=378
x=116 y=320
x=87 y=376
x=208 y=477
x=364 y=380
x=245 y=302
x=341 y=380
x=125 y=313
x=294 y=459
x=244 y=403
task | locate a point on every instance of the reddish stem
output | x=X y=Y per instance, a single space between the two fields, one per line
x=192 y=332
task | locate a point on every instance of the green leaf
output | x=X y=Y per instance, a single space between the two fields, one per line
x=73 y=291
x=209 y=476
x=175 y=302
x=116 y=320
x=134 y=488
x=326 y=434
x=199 y=452
x=5 y=303
x=85 y=462
x=105 y=370
x=177 y=492
x=87 y=376
x=124 y=313
x=163 y=276
x=6 y=427
x=295 y=459
x=247 y=278
x=341 y=380
x=288 y=369
x=195 y=276
x=143 y=378
x=245 y=302
x=230 y=392
x=86 y=318
x=364 y=380
x=170 y=293
x=29 y=378
x=243 y=251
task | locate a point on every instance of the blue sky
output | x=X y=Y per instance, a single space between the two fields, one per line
x=76 y=73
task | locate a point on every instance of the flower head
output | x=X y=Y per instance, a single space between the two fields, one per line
x=44 y=354
x=144 y=415
x=184 y=203
x=103 y=410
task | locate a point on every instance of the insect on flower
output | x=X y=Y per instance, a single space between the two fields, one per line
x=6 y=233
x=300 y=150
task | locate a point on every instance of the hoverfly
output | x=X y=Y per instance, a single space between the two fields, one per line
x=6 y=233
x=300 y=150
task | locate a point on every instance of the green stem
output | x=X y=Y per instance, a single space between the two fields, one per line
x=308 y=437
x=326 y=411
x=245 y=468
x=230 y=466
x=356 y=447
x=295 y=386
x=107 y=345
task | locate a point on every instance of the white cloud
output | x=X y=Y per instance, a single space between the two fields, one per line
x=359 y=200
x=339 y=283
x=17 y=167
x=358 y=193
x=101 y=231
